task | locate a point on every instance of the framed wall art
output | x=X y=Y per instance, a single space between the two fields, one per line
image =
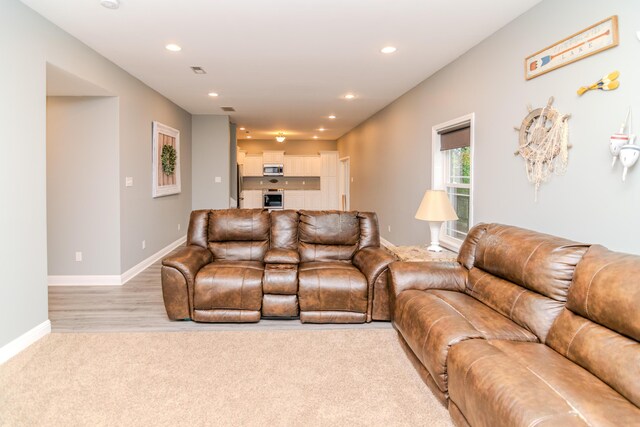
x=166 y=160
x=596 y=38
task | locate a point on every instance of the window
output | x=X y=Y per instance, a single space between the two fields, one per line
x=452 y=172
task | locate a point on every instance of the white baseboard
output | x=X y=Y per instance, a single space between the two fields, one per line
x=23 y=341
x=386 y=243
x=138 y=268
x=115 y=280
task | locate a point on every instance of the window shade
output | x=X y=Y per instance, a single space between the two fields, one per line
x=457 y=138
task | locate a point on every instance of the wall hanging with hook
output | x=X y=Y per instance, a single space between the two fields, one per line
x=622 y=145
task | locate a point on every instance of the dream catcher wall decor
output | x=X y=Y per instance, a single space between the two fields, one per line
x=543 y=143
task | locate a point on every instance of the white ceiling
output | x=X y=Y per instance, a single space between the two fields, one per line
x=284 y=65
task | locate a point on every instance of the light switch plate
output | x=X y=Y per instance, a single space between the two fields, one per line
x=218 y=179
x=128 y=181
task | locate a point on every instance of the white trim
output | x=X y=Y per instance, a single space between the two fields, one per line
x=386 y=243
x=115 y=280
x=137 y=269
x=437 y=172
x=25 y=340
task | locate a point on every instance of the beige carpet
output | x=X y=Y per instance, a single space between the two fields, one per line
x=328 y=377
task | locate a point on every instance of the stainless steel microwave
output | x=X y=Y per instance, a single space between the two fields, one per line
x=272 y=169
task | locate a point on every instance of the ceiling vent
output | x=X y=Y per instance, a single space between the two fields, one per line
x=228 y=109
x=198 y=70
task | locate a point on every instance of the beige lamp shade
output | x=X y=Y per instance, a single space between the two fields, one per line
x=435 y=206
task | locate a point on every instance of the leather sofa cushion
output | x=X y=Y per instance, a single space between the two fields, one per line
x=528 y=309
x=229 y=285
x=280 y=305
x=606 y=290
x=198 y=226
x=332 y=286
x=239 y=225
x=284 y=229
x=239 y=250
x=612 y=357
x=539 y=262
x=329 y=227
x=432 y=321
x=467 y=252
x=282 y=256
x=369 y=231
x=502 y=383
x=310 y=252
x=280 y=279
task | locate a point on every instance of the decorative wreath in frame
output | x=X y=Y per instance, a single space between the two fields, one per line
x=168 y=158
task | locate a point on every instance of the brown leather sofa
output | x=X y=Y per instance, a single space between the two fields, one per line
x=526 y=329
x=243 y=264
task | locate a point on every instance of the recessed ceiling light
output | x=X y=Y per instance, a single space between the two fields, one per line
x=242 y=128
x=388 y=49
x=110 y=4
x=213 y=94
x=332 y=117
x=349 y=96
x=315 y=136
x=173 y=47
x=321 y=129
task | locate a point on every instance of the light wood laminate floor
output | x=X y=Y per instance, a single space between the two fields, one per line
x=138 y=307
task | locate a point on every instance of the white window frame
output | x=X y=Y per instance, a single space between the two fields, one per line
x=438 y=169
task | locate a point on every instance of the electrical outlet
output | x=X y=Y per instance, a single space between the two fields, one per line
x=286 y=183
x=128 y=181
x=351 y=179
x=260 y=182
x=303 y=183
x=78 y=256
x=144 y=244
x=218 y=179
x=178 y=227
x=389 y=228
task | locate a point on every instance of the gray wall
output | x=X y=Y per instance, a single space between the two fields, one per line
x=391 y=151
x=82 y=185
x=211 y=158
x=28 y=42
x=296 y=147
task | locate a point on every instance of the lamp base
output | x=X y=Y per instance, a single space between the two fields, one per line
x=434 y=229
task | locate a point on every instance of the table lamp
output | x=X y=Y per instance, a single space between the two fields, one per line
x=435 y=208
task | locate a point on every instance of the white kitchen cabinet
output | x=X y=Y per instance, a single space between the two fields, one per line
x=240 y=155
x=251 y=199
x=252 y=165
x=294 y=199
x=311 y=166
x=329 y=163
x=273 y=157
x=329 y=190
x=294 y=166
x=329 y=179
x=313 y=200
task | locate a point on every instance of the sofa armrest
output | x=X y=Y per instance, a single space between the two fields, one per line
x=281 y=256
x=372 y=262
x=189 y=260
x=427 y=275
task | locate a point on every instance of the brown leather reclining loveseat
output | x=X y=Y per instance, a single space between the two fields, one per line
x=525 y=329
x=243 y=264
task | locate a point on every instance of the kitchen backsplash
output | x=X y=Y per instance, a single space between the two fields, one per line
x=287 y=183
